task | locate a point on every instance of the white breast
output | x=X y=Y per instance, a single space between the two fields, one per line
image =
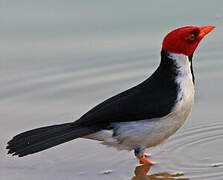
x=184 y=79
x=152 y=132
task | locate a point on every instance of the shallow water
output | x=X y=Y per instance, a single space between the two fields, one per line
x=59 y=59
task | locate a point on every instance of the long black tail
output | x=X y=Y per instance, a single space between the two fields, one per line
x=36 y=140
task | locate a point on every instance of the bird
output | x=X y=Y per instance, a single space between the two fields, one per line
x=141 y=117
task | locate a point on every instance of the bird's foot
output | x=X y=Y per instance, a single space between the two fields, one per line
x=144 y=160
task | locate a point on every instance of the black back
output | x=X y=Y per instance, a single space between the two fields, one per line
x=153 y=98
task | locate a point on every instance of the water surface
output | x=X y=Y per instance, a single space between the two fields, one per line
x=59 y=59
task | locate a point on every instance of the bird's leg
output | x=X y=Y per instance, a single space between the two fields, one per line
x=141 y=155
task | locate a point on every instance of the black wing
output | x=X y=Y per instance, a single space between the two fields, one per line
x=153 y=98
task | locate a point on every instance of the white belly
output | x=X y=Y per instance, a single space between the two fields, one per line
x=146 y=133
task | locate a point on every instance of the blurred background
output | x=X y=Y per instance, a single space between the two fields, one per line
x=58 y=59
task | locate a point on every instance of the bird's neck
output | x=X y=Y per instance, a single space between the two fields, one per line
x=180 y=66
x=176 y=65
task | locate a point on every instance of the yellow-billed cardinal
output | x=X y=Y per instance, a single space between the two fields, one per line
x=138 y=118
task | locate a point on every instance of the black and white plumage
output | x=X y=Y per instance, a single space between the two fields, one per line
x=141 y=117
x=154 y=109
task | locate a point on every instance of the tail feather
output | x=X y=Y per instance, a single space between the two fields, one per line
x=36 y=135
x=37 y=131
x=36 y=140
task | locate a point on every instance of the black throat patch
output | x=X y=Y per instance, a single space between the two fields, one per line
x=191 y=66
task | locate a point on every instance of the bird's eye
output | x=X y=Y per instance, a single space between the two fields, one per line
x=192 y=37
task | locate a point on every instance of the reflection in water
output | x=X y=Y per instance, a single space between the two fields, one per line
x=141 y=171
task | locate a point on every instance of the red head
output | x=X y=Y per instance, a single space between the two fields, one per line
x=185 y=40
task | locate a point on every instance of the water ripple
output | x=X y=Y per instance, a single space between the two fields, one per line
x=196 y=150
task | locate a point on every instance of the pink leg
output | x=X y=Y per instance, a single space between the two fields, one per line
x=144 y=160
x=141 y=155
